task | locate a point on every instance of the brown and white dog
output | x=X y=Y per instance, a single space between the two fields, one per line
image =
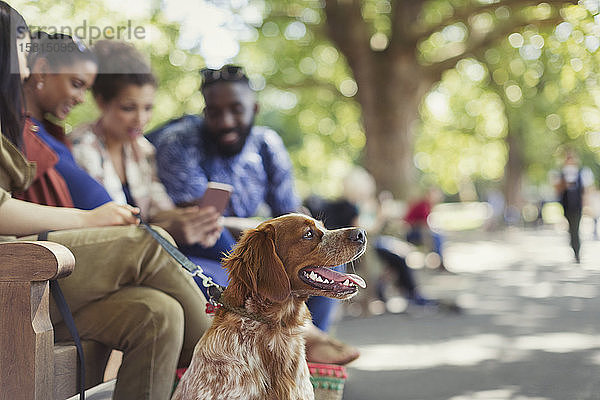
x=254 y=349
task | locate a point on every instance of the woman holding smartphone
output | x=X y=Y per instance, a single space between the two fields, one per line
x=115 y=153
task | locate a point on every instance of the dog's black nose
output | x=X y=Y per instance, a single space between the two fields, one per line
x=358 y=235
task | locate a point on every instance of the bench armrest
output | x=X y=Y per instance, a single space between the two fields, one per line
x=34 y=261
x=26 y=334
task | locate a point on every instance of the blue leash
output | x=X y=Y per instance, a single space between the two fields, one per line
x=213 y=289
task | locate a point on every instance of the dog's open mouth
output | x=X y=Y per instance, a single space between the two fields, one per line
x=327 y=279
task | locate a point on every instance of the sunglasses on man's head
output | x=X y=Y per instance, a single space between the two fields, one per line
x=80 y=45
x=230 y=73
x=78 y=42
x=40 y=35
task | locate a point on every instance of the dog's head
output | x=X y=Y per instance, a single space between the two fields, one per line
x=293 y=254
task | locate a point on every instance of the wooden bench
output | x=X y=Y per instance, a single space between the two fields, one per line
x=32 y=366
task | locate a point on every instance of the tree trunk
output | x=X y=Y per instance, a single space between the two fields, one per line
x=388 y=152
x=390 y=99
x=391 y=84
x=513 y=171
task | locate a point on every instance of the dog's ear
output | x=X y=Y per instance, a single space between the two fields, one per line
x=256 y=265
x=271 y=277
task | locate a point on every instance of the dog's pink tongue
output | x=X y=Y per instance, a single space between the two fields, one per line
x=340 y=277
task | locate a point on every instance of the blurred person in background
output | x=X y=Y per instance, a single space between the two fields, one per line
x=420 y=232
x=572 y=183
x=376 y=214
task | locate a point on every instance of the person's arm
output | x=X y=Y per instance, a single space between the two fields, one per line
x=160 y=201
x=191 y=225
x=558 y=181
x=21 y=218
x=281 y=196
x=587 y=178
x=187 y=225
x=88 y=153
x=179 y=165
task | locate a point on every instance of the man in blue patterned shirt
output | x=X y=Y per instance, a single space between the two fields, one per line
x=226 y=147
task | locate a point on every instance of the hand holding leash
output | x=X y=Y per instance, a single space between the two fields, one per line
x=214 y=290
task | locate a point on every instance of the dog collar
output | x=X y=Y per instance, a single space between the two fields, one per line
x=241 y=311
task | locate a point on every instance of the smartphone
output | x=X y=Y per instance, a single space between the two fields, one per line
x=217 y=194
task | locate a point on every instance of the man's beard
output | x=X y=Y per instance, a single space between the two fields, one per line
x=229 y=150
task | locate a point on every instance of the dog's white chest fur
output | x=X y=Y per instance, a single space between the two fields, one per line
x=239 y=364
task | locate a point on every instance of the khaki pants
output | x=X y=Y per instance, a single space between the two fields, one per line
x=129 y=294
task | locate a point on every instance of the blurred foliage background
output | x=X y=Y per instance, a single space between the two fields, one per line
x=472 y=95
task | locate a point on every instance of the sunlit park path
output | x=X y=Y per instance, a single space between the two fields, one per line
x=529 y=330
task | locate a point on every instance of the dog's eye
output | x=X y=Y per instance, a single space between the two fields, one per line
x=308 y=234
